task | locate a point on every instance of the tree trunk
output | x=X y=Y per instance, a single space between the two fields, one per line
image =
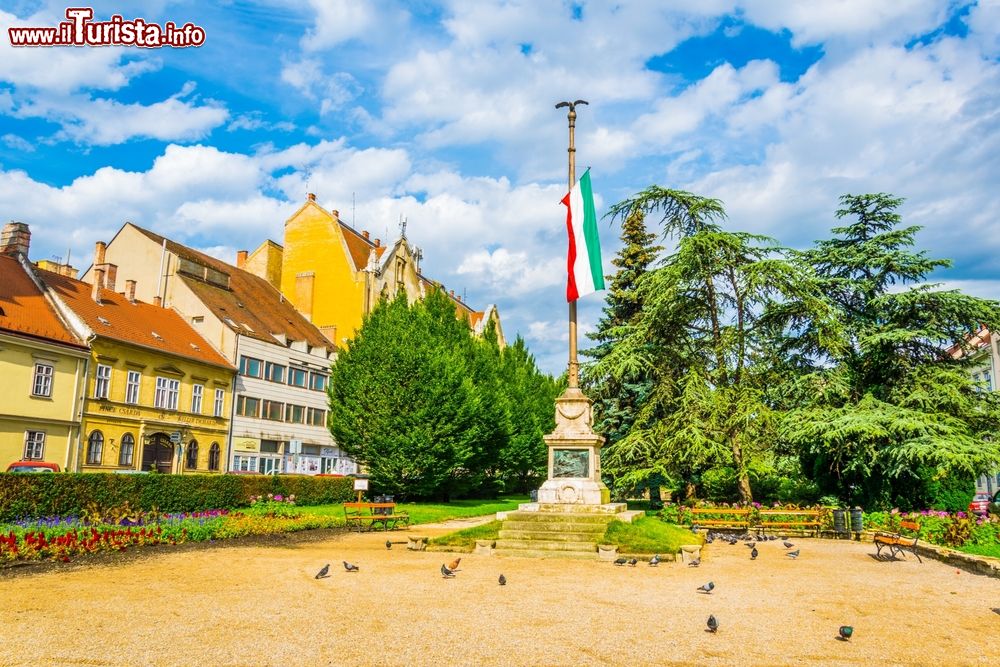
x=689 y=491
x=742 y=477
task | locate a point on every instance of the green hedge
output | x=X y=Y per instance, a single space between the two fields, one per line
x=65 y=494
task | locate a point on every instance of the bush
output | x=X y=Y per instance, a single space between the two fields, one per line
x=950 y=492
x=68 y=494
x=719 y=485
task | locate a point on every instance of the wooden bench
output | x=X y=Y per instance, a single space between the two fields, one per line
x=800 y=519
x=896 y=542
x=726 y=518
x=373 y=515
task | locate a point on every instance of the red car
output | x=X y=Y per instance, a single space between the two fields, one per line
x=980 y=504
x=33 y=466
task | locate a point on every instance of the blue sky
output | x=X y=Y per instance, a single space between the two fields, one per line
x=443 y=113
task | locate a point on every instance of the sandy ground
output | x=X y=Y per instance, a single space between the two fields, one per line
x=258 y=605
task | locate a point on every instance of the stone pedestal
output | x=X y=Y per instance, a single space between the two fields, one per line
x=574 y=469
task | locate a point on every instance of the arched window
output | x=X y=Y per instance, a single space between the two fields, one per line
x=95 y=448
x=192 y=455
x=213 y=456
x=126 y=451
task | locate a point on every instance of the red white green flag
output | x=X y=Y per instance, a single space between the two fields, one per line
x=585 y=271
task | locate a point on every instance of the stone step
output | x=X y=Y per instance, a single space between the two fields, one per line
x=549 y=536
x=574 y=508
x=547 y=545
x=560 y=517
x=556 y=527
x=540 y=553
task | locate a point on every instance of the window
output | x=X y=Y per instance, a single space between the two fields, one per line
x=987 y=380
x=34 y=445
x=273 y=410
x=167 y=392
x=247 y=406
x=42 y=384
x=317 y=381
x=132 y=387
x=245 y=463
x=191 y=463
x=95 y=448
x=250 y=367
x=126 y=451
x=297 y=377
x=220 y=401
x=102 y=384
x=196 y=394
x=317 y=417
x=274 y=372
x=270 y=465
x=213 y=456
x=295 y=414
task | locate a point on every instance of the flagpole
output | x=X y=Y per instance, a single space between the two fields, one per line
x=574 y=365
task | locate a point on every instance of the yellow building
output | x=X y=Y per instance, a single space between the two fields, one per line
x=334 y=274
x=42 y=365
x=158 y=396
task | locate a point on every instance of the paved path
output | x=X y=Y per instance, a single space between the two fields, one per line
x=262 y=606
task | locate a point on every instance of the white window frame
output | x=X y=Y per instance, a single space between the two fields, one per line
x=245 y=462
x=167 y=393
x=133 y=383
x=197 y=394
x=312 y=380
x=34 y=445
x=269 y=368
x=245 y=363
x=220 y=402
x=41 y=384
x=102 y=381
x=305 y=377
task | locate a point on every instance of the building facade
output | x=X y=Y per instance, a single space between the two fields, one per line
x=982 y=350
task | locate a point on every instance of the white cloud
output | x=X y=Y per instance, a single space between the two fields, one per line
x=333 y=91
x=18 y=143
x=514 y=273
x=338 y=21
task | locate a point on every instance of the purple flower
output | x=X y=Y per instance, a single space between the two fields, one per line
x=279 y=497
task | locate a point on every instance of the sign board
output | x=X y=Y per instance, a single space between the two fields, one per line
x=246 y=444
x=360 y=484
x=175 y=437
x=295 y=446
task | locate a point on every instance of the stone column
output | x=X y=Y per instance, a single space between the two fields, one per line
x=574 y=469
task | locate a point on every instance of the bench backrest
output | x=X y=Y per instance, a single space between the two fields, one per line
x=910 y=525
x=789 y=512
x=720 y=511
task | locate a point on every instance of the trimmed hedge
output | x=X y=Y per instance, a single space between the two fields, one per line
x=66 y=494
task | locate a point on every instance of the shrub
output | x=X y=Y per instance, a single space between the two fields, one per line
x=69 y=494
x=719 y=484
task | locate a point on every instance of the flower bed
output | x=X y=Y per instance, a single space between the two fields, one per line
x=682 y=515
x=946 y=529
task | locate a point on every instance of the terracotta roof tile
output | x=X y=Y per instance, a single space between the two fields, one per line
x=137 y=323
x=24 y=309
x=359 y=246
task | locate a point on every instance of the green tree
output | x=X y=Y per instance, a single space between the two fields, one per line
x=884 y=410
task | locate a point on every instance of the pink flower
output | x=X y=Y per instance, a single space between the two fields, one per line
x=279 y=497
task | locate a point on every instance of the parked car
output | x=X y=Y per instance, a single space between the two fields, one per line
x=980 y=504
x=994 y=506
x=33 y=466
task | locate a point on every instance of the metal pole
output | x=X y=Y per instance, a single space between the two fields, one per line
x=574 y=365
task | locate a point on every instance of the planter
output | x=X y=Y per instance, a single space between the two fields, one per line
x=416 y=543
x=484 y=547
x=607 y=551
x=689 y=552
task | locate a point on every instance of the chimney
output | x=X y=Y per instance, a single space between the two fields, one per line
x=310 y=197
x=130 y=290
x=15 y=238
x=336 y=214
x=241 y=259
x=365 y=234
x=99 y=248
x=109 y=271
x=95 y=292
x=378 y=242
x=451 y=293
x=157 y=301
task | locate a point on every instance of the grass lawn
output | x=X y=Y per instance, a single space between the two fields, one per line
x=649 y=535
x=467 y=538
x=982 y=549
x=435 y=512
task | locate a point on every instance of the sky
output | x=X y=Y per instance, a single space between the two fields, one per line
x=443 y=113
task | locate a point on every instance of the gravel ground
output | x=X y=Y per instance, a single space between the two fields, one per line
x=260 y=605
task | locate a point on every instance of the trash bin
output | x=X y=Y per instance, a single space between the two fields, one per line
x=857 y=520
x=840 y=521
x=534 y=495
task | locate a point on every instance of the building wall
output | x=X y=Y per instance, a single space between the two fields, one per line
x=266 y=262
x=114 y=417
x=57 y=416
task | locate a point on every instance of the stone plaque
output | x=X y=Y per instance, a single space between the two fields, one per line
x=570 y=463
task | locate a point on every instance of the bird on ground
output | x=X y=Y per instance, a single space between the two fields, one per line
x=324 y=572
x=655 y=560
x=754 y=553
x=995 y=610
x=793 y=554
x=709 y=539
x=713 y=624
x=633 y=562
x=453 y=565
x=707 y=587
x=783 y=538
x=845 y=632
x=502 y=580
x=350 y=567
x=388 y=545
x=788 y=545
x=695 y=562
x=751 y=545
x=621 y=561
x=446 y=573
x=694 y=528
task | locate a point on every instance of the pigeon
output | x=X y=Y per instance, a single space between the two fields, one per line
x=845 y=632
x=350 y=567
x=995 y=610
x=783 y=538
x=751 y=545
x=754 y=553
x=388 y=545
x=694 y=528
x=793 y=554
x=713 y=624
x=621 y=561
x=788 y=545
x=324 y=572
x=655 y=560
x=633 y=562
x=709 y=539
x=453 y=565
x=707 y=588
x=446 y=573
x=695 y=562
x=502 y=580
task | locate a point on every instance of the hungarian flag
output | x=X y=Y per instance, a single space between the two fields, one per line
x=585 y=272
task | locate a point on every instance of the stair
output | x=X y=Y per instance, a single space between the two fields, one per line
x=560 y=533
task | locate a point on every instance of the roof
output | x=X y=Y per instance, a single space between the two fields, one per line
x=250 y=305
x=137 y=323
x=972 y=344
x=359 y=247
x=25 y=311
